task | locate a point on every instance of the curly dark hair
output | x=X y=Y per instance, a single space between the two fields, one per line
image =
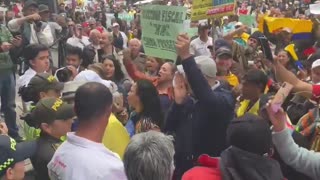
x=118 y=74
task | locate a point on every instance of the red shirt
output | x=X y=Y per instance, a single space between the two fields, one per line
x=316 y=92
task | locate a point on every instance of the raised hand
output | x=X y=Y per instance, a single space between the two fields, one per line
x=182 y=46
x=34 y=17
x=278 y=119
x=179 y=88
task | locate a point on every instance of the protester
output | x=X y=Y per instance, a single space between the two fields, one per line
x=37 y=58
x=245 y=55
x=33 y=28
x=120 y=39
x=78 y=39
x=224 y=63
x=93 y=103
x=7 y=80
x=151 y=154
x=199 y=46
x=299 y=158
x=90 y=52
x=138 y=59
x=115 y=74
x=285 y=59
x=163 y=82
x=203 y=116
x=248 y=156
x=12 y=157
x=107 y=47
x=73 y=61
x=147 y=115
x=153 y=66
x=253 y=86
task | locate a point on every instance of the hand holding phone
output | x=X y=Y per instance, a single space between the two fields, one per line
x=281 y=96
x=3 y=128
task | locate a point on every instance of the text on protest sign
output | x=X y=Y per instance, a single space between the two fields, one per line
x=204 y=9
x=161 y=25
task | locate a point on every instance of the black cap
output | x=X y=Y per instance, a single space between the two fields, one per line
x=221 y=43
x=44 y=82
x=50 y=109
x=250 y=133
x=43 y=8
x=12 y=152
x=29 y=3
x=224 y=51
x=257 y=35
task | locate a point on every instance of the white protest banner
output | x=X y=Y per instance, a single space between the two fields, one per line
x=315 y=9
x=161 y=25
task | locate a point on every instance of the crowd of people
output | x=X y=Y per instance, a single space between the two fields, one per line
x=95 y=106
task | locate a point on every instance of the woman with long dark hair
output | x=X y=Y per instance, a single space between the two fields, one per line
x=147 y=115
x=115 y=74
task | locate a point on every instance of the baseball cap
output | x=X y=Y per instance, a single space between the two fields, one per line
x=238 y=24
x=48 y=110
x=45 y=81
x=91 y=76
x=250 y=133
x=203 y=25
x=225 y=18
x=221 y=43
x=224 y=51
x=92 y=21
x=13 y=152
x=43 y=8
x=29 y=3
x=257 y=35
x=315 y=64
x=70 y=89
x=115 y=24
x=206 y=65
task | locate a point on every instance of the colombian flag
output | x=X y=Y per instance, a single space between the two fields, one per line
x=301 y=28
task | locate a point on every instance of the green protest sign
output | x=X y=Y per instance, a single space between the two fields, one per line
x=247 y=20
x=126 y=16
x=161 y=26
x=192 y=32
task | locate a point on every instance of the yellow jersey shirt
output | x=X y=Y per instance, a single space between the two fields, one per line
x=116 y=137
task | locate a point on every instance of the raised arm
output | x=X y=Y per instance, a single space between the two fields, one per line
x=15 y=24
x=301 y=159
x=229 y=36
x=284 y=75
x=197 y=81
x=131 y=68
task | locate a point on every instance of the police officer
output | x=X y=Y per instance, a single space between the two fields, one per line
x=54 y=117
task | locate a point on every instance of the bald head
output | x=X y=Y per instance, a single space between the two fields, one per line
x=106 y=39
x=135 y=41
x=135 y=47
x=95 y=36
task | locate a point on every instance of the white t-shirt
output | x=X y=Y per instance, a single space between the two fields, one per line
x=81 y=159
x=200 y=48
x=125 y=40
x=81 y=43
x=26 y=77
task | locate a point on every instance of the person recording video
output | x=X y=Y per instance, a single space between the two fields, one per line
x=30 y=25
x=73 y=64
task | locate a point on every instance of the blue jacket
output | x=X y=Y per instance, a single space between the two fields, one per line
x=199 y=125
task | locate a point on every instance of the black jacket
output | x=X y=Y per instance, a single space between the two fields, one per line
x=46 y=148
x=236 y=164
x=199 y=125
